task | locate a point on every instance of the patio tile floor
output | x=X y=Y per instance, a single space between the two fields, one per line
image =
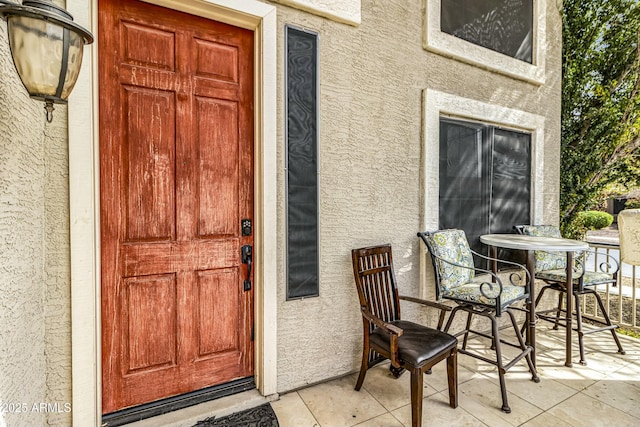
x=605 y=392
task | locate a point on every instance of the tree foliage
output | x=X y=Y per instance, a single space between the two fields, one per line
x=600 y=101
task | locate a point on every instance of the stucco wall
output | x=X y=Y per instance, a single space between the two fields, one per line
x=347 y=11
x=34 y=261
x=371 y=191
x=57 y=304
x=371 y=82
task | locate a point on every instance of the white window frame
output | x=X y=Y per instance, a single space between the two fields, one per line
x=435 y=40
x=345 y=11
x=438 y=104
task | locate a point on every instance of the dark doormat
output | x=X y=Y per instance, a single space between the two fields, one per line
x=260 y=416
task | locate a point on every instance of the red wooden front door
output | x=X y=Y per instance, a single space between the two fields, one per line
x=176 y=171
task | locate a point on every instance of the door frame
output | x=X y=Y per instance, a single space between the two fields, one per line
x=84 y=196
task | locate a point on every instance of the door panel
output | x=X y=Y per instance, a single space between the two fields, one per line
x=152 y=338
x=148 y=161
x=217 y=303
x=176 y=160
x=218 y=170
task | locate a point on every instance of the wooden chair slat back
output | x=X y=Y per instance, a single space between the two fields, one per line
x=375 y=281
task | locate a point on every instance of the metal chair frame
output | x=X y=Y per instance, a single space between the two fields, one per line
x=579 y=288
x=490 y=311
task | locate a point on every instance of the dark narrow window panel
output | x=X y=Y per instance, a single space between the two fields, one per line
x=302 y=163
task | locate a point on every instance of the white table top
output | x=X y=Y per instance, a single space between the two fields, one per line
x=518 y=241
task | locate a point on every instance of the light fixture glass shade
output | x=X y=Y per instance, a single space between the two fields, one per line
x=46 y=46
x=38 y=50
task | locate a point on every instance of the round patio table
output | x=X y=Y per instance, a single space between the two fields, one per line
x=530 y=244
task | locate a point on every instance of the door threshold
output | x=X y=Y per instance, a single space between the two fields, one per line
x=187 y=417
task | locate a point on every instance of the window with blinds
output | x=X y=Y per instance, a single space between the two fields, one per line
x=485 y=179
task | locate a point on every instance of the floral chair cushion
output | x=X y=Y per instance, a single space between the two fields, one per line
x=451 y=245
x=546 y=260
x=591 y=278
x=460 y=283
x=471 y=292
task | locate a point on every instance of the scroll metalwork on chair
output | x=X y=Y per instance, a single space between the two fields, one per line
x=408 y=345
x=551 y=267
x=479 y=292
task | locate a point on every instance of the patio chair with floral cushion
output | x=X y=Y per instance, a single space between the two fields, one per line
x=479 y=292
x=551 y=268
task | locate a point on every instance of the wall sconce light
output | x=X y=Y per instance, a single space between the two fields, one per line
x=46 y=46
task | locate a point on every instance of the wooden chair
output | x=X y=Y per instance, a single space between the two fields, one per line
x=551 y=269
x=479 y=292
x=406 y=344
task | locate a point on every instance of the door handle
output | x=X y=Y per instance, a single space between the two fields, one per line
x=247 y=258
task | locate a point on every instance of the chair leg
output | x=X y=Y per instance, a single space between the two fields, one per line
x=496 y=345
x=452 y=379
x=540 y=294
x=501 y=371
x=559 y=310
x=608 y=321
x=451 y=317
x=583 y=361
x=467 y=330
x=396 y=372
x=523 y=347
x=363 y=367
x=416 y=397
x=535 y=304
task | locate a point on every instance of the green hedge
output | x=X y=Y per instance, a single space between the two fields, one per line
x=585 y=221
x=632 y=204
x=595 y=220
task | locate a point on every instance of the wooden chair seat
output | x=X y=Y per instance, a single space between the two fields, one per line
x=418 y=344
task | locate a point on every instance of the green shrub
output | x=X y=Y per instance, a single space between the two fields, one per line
x=575 y=229
x=595 y=220
x=585 y=221
x=632 y=204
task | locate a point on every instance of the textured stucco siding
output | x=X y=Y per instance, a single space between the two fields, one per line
x=347 y=11
x=34 y=263
x=371 y=189
x=57 y=316
x=372 y=79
